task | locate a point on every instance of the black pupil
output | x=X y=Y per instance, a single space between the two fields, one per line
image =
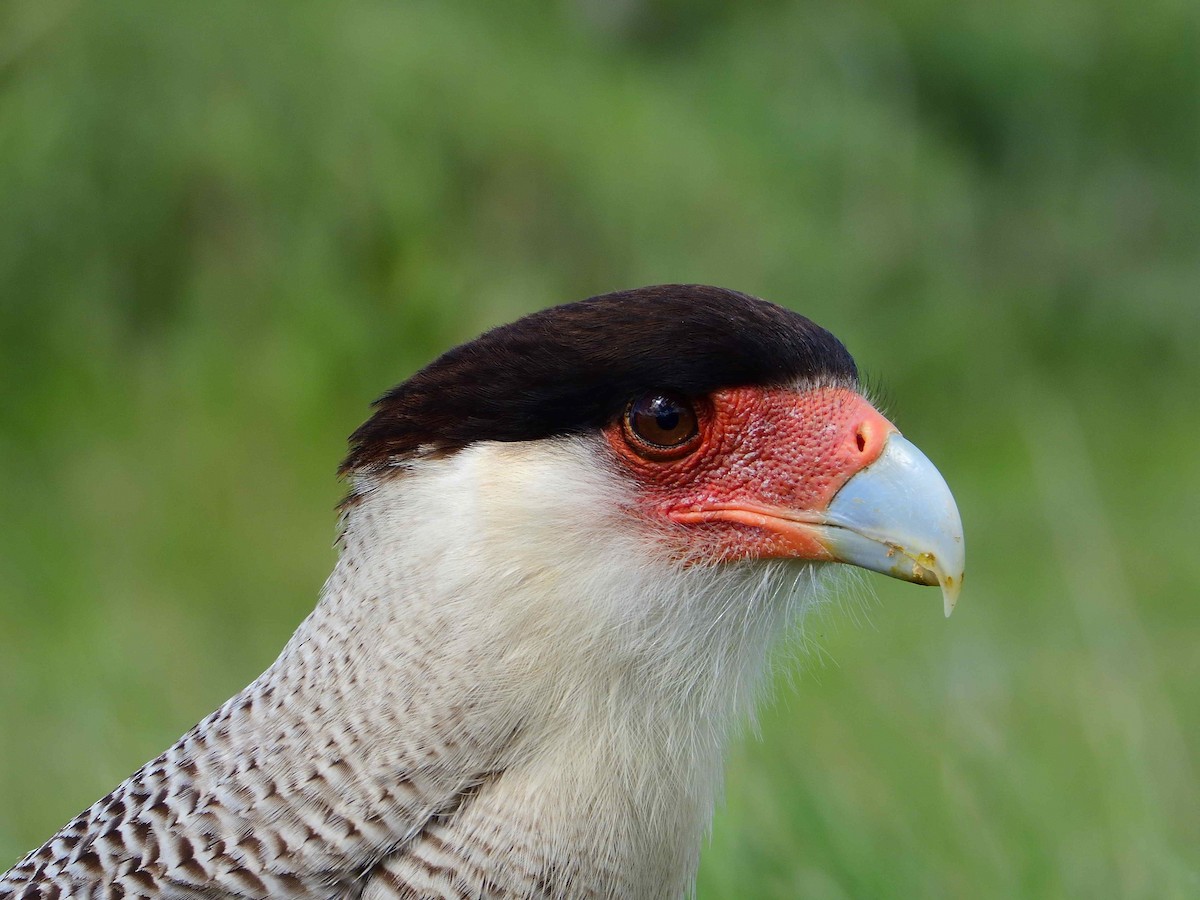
x=666 y=414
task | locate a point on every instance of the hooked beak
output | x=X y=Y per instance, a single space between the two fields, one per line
x=897 y=516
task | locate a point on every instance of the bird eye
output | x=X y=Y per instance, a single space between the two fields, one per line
x=661 y=425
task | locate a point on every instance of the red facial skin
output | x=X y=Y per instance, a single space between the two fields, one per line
x=765 y=462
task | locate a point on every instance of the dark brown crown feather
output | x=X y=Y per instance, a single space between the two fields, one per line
x=573 y=368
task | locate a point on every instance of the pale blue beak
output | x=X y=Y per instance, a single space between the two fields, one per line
x=897 y=516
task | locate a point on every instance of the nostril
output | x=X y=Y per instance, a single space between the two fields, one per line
x=860 y=439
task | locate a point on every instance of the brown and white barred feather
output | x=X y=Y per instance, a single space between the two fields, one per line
x=499 y=699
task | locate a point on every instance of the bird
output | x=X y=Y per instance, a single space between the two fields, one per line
x=567 y=549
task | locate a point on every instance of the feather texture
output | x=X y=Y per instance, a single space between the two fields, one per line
x=505 y=690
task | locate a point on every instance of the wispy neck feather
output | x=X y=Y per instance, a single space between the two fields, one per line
x=508 y=688
x=595 y=679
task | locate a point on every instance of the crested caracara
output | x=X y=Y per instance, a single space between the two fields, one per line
x=567 y=548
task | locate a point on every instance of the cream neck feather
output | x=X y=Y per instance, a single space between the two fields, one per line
x=590 y=682
x=507 y=688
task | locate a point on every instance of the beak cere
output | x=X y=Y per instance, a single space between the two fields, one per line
x=879 y=504
x=897 y=516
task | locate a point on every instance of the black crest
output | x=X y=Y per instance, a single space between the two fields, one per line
x=573 y=368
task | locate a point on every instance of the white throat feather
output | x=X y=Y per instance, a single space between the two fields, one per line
x=611 y=673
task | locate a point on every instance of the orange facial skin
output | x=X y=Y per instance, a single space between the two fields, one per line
x=766 y=462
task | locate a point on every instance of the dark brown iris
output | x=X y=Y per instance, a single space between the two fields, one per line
x=661 y=425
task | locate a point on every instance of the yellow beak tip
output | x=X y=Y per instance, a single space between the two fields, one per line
x=951 y=587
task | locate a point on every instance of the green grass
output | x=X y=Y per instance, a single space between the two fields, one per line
x=225 y=227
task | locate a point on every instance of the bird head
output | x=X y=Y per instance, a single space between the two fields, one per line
x=735 y=430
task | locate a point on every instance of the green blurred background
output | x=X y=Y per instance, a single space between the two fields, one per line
x=225 y=227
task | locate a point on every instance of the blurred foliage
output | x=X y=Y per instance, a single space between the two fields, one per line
x=228 y=226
